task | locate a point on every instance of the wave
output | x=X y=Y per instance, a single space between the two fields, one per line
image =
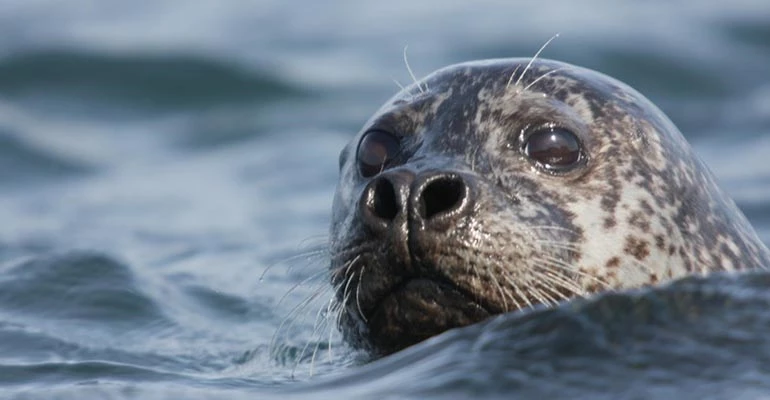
x=145 y=81
x=77 y=286
x=699 y=337
x=22 y=162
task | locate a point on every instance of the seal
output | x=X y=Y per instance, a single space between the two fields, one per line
x=499 y=185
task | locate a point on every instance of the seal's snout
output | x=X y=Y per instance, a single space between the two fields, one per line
x=432 y=199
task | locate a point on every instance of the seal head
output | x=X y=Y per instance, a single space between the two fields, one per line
x=498 y=185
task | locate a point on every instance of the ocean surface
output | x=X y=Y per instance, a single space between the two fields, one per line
x=167 y=169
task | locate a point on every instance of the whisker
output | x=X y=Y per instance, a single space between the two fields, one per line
x=502 y=292
x=643 y=266
x=294 y=287
x=314 y=240
x=518 y=291
x=554 y=262
x=358 y=292
x=557 y=245
x=510 y=78
x=346 y=290
x=411 y=73
x=554 y=283
x=544 y=291
x=331 y=336
x=288 y=323
x=290 y=319
x=314 y=337
x=476 y=274
x=341 y=306
x=551 y=275
x=515 y=289
x=400 y=86
x=552 y=227
x=351 y=249
x=532 y=60
x=338 y=310
x=536 y=294
x=308 y=256
x=304 y=303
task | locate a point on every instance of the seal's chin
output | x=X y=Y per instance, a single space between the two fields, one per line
x=418 y=309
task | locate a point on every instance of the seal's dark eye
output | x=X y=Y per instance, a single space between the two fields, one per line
x=553 y=148
x=376 y=150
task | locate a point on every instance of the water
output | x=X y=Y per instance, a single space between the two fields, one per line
x=162 y=162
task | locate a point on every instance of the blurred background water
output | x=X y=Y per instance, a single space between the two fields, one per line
x=156 y=157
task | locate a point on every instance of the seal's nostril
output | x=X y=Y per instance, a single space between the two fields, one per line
x=441 y=195
x=383 y=201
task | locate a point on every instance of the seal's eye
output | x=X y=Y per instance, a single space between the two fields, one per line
x=556 y=149
x=376 y=150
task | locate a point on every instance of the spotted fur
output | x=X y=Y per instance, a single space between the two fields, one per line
x=642 y=210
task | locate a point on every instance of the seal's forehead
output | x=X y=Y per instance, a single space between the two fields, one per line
x=488 y=74
x=502 y=76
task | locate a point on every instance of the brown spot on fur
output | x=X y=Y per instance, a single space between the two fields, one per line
x=646 y=207
x=637 y=248
x=609 y=222
x=613 y=262
x=610 y=201
x=660 y=242
x=640 y=221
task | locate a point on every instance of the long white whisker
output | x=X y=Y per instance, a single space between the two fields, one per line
x=556 y=263
x=502 y=292
x=557 y=245
x=309 y=256
x=515 y=289
x=544 y=291
x=510 y=78
x=518 y=291
x=358 y=292
x=552 y=227
x=642 y=265
x=550 y=273
x=411 y=73
x=538 y=296
x=290 y=320
x=342 y=304
x=331 y=337
x=317 y=327
x=294 y=287
x=346 y=290
x=555 y=282
x=532 y=60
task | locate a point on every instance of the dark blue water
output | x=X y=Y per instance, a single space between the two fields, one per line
x=166 y=174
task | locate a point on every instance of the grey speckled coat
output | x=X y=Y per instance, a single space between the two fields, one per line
x=460 y=224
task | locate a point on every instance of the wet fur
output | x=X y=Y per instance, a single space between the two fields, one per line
x=643 y=210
